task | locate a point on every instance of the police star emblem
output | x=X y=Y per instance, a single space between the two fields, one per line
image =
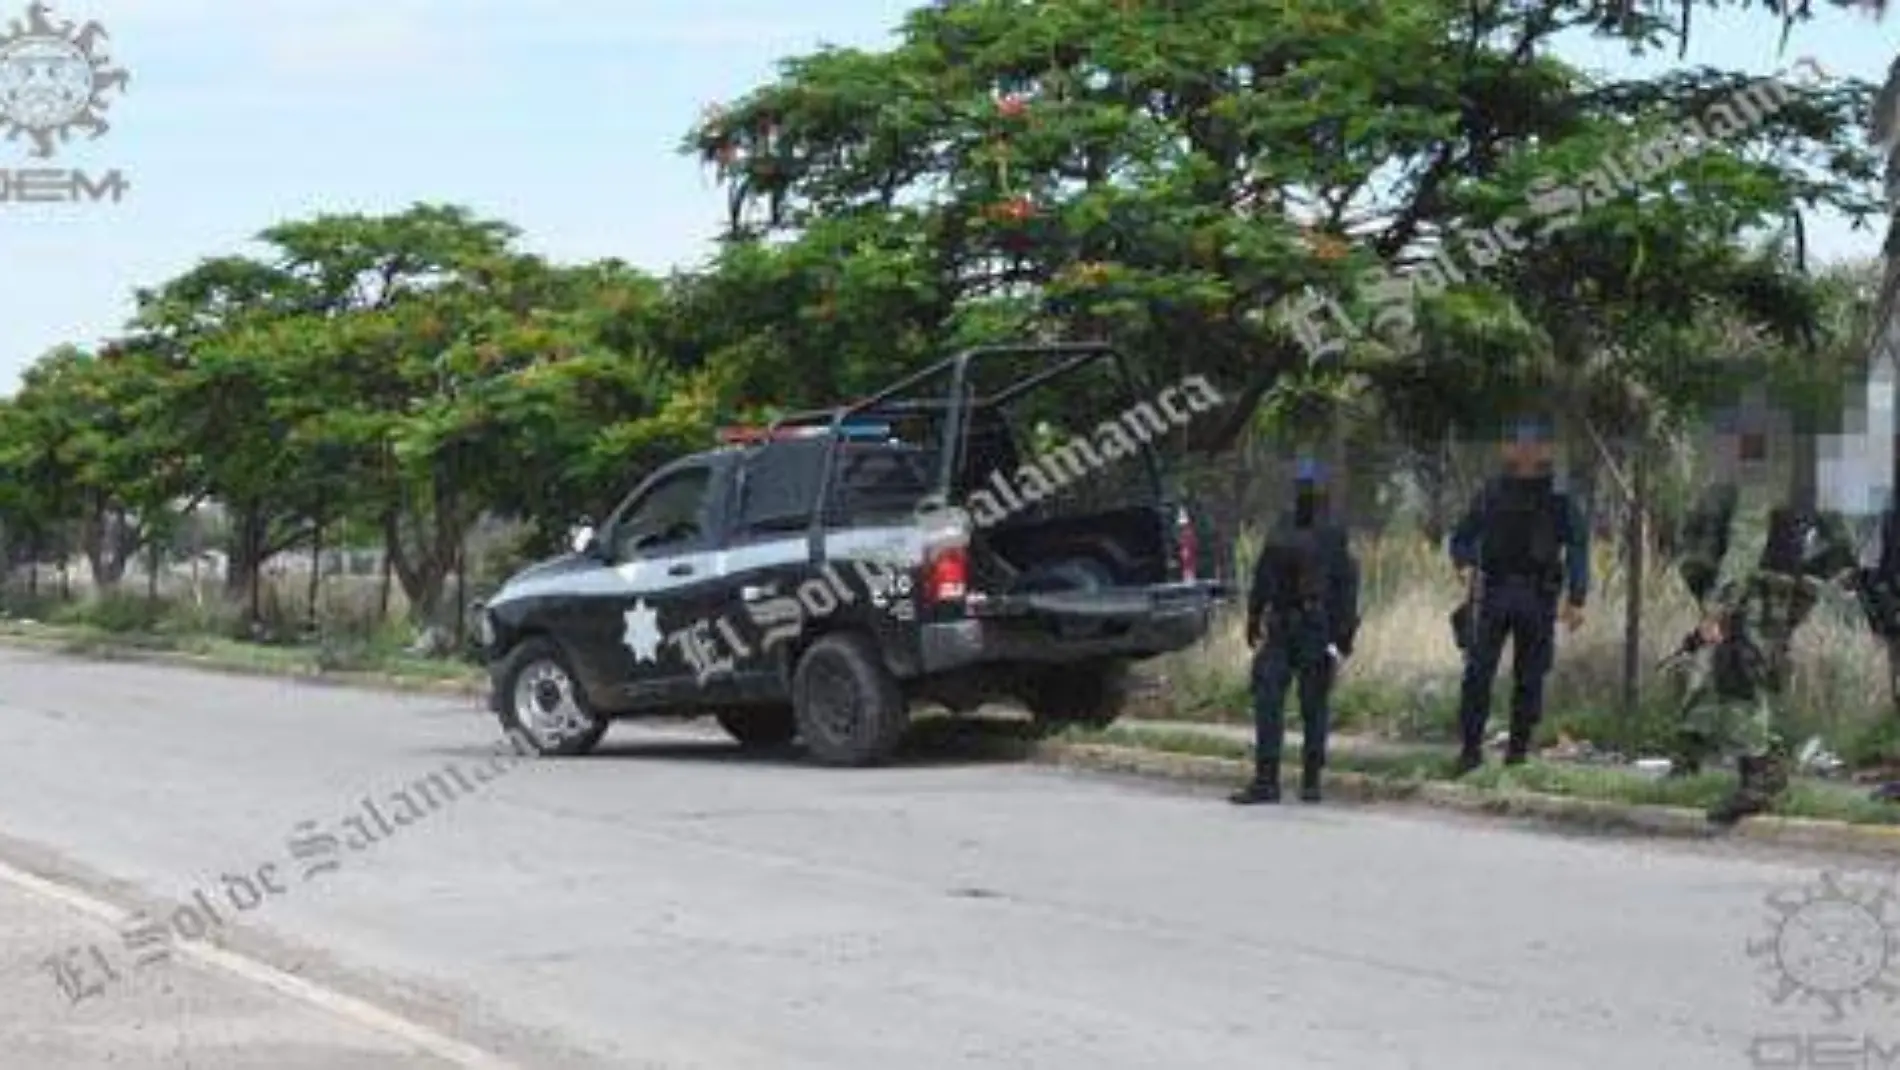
x=642 y=634
x=1830 y=944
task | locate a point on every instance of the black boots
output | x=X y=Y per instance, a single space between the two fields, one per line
x=1469 y=759
x=1691 y=746
x=1264 y=788
x=1761 y=782
x=1265 y=785
x=1517 y=747
x=1309 y=780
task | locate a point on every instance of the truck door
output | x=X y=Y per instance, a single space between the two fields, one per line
x=660 y=547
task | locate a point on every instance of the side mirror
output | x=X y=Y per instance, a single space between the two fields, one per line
x=583 y=539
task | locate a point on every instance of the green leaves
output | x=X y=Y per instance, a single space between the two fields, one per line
x=1159 y=174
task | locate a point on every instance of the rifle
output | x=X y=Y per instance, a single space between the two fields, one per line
x=1690 y=645
x=1465 y=619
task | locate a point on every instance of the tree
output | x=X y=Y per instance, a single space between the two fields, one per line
x=1167 y=174
x=213 y=336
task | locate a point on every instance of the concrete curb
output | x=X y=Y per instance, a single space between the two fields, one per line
x=106 y=650
x=1592 y=814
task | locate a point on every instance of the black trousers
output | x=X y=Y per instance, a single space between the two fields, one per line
x=1281 y=660
x=1524 y=613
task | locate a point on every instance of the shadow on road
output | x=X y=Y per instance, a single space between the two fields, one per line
x=931 y=741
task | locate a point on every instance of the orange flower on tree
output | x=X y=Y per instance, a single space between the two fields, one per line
x=1327 y=247
x=1018 y=209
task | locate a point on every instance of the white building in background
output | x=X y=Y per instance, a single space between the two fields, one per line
x=1856 y=463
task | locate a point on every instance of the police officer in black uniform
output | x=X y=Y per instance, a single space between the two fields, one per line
x=1521 y=547
x=1302 y=615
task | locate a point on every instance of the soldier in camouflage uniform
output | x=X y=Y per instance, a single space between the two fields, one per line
x=1879 y=591
x=1738 y=655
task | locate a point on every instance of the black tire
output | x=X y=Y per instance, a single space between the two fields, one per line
x=848 y=707
x=1092 y=694
x=541 y=701
x=759 y=726
x=1069 y=574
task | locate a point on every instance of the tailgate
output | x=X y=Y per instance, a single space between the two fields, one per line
x=1117 y=605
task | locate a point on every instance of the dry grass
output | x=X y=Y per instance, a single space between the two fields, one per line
x=1403 y=679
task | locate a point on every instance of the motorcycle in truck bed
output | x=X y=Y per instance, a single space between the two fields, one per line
x=946 y=540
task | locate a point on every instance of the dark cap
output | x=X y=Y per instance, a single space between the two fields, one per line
x=1528 y=429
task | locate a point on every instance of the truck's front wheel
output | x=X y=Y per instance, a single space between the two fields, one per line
x=539 y=699
x=849 y=708
x=1092 y=695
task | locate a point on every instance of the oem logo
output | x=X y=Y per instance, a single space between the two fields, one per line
x=54 y=82
x=1831 y=945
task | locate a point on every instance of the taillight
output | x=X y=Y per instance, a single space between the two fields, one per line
x=945 y=536
x=1189 y=544
x=947 y=575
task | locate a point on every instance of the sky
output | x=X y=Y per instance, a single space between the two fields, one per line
x=561 y=118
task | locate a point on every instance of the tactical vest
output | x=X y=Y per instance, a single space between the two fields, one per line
x=1299 y=574
x=1737 y=667
x=1523 y=532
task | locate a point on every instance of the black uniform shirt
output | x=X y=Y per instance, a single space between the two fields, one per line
x=1307 y=571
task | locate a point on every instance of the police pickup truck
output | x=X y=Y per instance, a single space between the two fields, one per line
x=812 y=579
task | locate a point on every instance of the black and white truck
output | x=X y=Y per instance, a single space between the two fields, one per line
x=943 y=541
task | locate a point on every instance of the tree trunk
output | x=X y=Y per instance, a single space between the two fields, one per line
x=242 y=578
x=108 y=541
x=423 y=575
x=382 y=595
x=1217 y=432
x=315 y=590
x=1433 y=472
x=1634 y=537
x=461 y=594
x=256 y=607
x=151 y=572
x=34 y=550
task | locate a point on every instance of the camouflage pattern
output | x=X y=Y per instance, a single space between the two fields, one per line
x=1705 y=539
x=1714 y=724
x=1879 y=596
x=1734 y=688
x=1879 y=587
x=1730 y=687
x=1766 y=608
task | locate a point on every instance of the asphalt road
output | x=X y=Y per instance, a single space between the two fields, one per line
x=669 y=903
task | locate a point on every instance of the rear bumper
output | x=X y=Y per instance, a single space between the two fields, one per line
x=1176 y=621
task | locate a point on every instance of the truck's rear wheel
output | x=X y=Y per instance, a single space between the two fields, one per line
x=848 y=708
x=1091 y=694
x=759 y=726
x=541 y=701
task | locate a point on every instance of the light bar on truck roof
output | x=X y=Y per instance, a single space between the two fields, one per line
x=861 y=431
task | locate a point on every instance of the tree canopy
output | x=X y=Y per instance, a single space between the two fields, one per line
x=1166 y=176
